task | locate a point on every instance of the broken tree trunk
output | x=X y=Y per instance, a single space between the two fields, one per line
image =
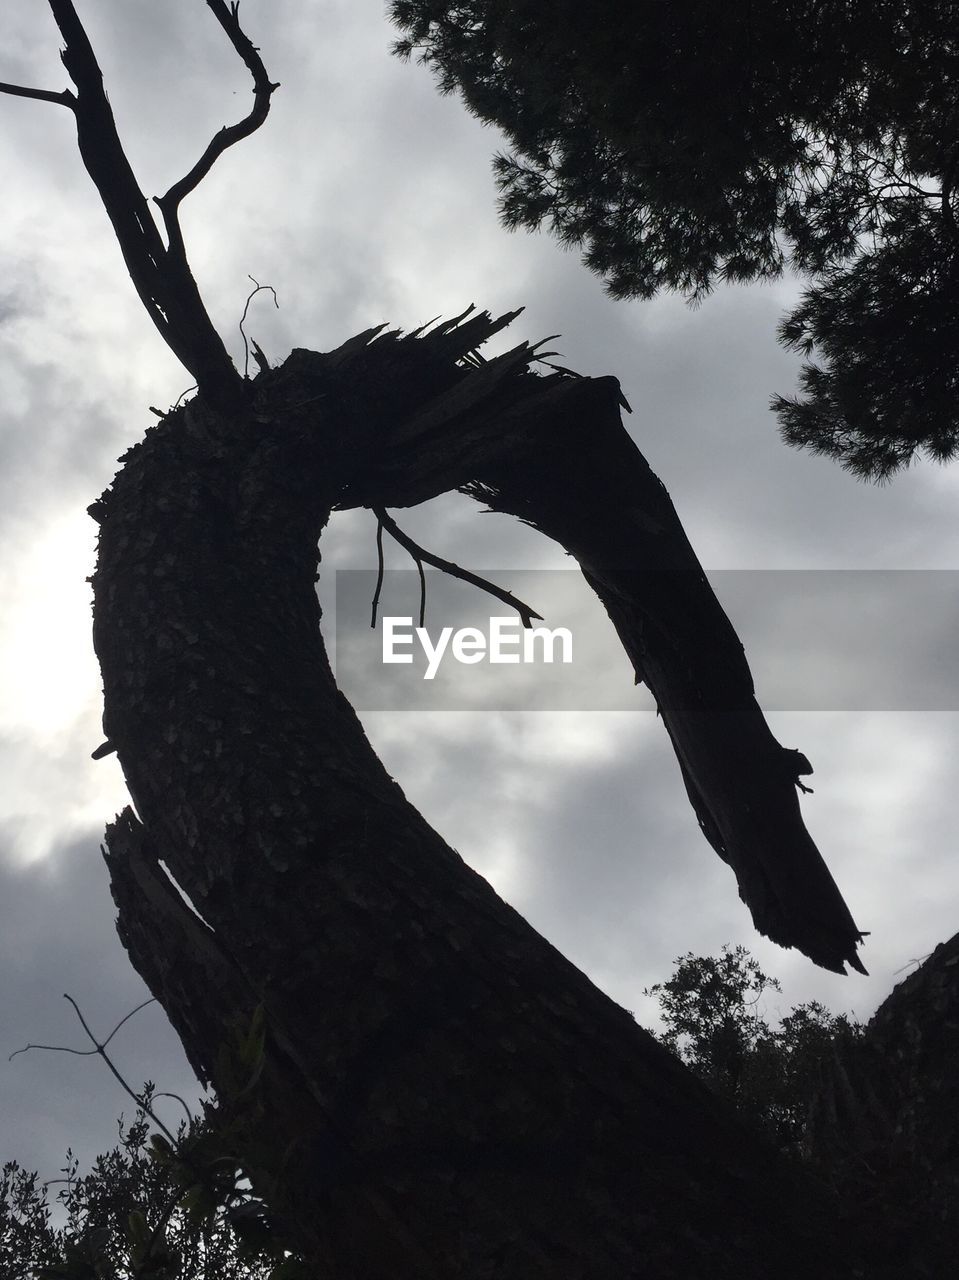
x=442 y=1094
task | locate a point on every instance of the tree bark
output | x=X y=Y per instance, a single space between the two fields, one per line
x=884 y=1122
x=442 y=1093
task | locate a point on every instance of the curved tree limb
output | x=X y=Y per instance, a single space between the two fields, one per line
x=228 y=18
x=553 y=452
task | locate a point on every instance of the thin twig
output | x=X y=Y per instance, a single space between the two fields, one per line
x=152 y=1000
x=176 y=1097
x=99 y=1048
x=177 y=401
x=52 y=1048
x=419 y=566
x=101 y=1051
x=380 y=568
x=447 y=566
x=246 y=345
x=83 y=1053
x=143 y=1105
x=263 y=88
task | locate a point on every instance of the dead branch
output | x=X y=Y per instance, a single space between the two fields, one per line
x=64 y=98
x=229 y=135
x=447 y=566
x=553 y=452
x=160 y=272
x=107 y=164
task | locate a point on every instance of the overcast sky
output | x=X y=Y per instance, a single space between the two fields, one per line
x=369 y=198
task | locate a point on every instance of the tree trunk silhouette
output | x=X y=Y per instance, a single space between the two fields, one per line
x=439 y=1092
x=443 y=1094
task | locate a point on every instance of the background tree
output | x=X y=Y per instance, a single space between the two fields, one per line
x=105 y=1219
x=697 y=142
x=870 y=1109
x=716 y=1023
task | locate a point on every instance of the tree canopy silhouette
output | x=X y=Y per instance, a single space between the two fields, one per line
x=693 y=142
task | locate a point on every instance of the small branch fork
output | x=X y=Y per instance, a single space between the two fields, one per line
x=99 y=1048
x=228 y=18
x=421 y=556
x=160 y=272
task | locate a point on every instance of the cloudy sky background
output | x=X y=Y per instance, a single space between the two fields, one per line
x=366 y=198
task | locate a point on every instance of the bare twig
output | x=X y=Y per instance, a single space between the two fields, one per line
x=99 y=1048
x=177 y=401
x=447 y=566
x=162 y=413
x=379 y=572
x=423 y=589
x=228 y=18
x=176 y=1098
x=257 y=353
x=419 y=566
x=83 y=1053
x=127 y=1018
